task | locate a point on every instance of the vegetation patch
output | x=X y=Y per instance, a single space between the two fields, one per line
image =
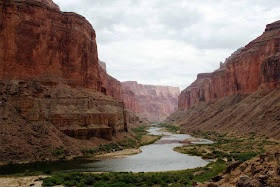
x=174 y=178
x=58 y=151
x=227 y=147
x=171 y=128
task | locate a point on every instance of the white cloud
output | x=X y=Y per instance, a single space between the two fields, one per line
x=170 y=42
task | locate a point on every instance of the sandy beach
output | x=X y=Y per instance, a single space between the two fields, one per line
x=119 y=154
x=22 y=181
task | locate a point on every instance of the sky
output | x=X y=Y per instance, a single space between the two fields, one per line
x=168 y=42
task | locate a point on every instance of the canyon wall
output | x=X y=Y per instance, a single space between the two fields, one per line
x=51 y=84
x=251 y=68
x=109 y=85
x=39 y=40
x=153 y=102
x=242 y=96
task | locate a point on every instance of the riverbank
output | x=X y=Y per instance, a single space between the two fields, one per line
x=184 y=177
x=35 y=181
x=229 y=147
x=254 y=158
x=175 y=177
x=129 y=146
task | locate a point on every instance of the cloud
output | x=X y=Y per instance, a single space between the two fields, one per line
x=170 y=42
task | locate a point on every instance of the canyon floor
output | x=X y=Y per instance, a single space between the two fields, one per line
x=252 y=161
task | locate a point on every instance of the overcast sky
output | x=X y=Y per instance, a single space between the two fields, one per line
x=168 y=42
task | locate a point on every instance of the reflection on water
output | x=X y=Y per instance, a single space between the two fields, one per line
x=156 y=157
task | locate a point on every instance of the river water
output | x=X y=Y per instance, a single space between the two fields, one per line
x=155 y=157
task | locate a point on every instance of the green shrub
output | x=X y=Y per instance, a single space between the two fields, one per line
x=175 y=178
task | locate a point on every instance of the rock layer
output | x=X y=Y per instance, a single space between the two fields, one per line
x=37 y=40
x=153 y=102
x=242 y=96
x=51 y=84
x=110 y=85
x=36 y=113
x=254 y=67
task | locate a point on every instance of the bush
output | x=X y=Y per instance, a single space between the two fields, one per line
x=169 y=127
x=136 y=179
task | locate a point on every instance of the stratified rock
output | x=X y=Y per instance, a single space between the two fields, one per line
x=131 y=101
x=241 y=96
x=39 y=40
x=153 y=102
x=51 y=84
x=135 y=120
x=249 y=69
x=110 y=85
x=35 y=111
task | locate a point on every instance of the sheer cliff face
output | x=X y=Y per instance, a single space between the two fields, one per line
x=254 y=67
x=242 y=96
x=110 y=85
x=39 y=40
x=51 y=83
x=153 y=102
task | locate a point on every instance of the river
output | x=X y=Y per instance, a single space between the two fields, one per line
x=155 y=157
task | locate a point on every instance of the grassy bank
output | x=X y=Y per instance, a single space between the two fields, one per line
x=227 y=147
x=175 y=178
x=171 y=128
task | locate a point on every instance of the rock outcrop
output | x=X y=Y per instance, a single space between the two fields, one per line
x=242 y=96
x=40 y=114
x=260 y=171
x=131 y=101
x=153 y=102
x=110 y=85
x=252 y=68
x=39 y=40
x=51 y=84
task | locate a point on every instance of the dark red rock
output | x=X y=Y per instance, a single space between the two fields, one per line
x=110 y=85
x=257 y=66
x=51 y=83
x=39 y=40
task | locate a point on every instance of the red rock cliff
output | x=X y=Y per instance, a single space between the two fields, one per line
x=50 y=84
x=110 y=85
x=153 y=102
x=37 y=39
x=257 y=66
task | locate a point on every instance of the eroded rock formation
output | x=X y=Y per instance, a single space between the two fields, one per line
x=242 y=96
x=254 y=67
x=153 y=102
x=51 y=84
x=262 y=170
x=39 y=40
x=110 y=85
